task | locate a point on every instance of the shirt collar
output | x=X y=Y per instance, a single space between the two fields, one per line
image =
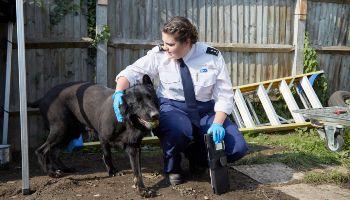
x=190 y=53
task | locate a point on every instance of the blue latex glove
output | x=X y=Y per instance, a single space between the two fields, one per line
x=218 y=132
x=117 y=101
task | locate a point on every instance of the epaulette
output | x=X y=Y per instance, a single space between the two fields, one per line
x=212 y=51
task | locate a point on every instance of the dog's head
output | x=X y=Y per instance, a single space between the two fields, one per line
x=140 y=104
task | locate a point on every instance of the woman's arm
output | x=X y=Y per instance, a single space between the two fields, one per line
x=122 y=83
x=219 y=117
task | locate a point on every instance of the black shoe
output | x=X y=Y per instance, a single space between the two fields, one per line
x=174 y=179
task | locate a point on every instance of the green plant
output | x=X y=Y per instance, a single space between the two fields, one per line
x=311 y=65
x=91 y=18
x=39 y=3
x=103 y=36
x=61 y=8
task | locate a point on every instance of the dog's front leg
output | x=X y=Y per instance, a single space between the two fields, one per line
x=107 y=158
x=134 y=155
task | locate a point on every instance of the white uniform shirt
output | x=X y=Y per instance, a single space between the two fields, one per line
x=210 y=77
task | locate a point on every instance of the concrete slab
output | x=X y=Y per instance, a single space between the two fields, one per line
x=320 y=192
x=269 y=173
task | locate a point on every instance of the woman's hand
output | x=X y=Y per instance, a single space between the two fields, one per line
x=218 y=132
x=117 y=101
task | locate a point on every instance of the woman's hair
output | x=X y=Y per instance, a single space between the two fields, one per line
x=181 y=28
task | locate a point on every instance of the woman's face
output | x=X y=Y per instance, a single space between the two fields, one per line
x=173 y=48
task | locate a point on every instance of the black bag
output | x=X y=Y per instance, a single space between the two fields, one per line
x=218 y=169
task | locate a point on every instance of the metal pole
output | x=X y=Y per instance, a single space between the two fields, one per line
x=8 y=82
x=22 y=97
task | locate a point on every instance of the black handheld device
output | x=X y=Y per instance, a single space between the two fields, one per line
x=218 y=169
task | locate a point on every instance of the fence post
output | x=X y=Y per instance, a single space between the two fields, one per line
x=298 y=36
x=101 y=57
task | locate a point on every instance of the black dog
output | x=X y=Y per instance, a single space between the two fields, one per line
x=67 y=109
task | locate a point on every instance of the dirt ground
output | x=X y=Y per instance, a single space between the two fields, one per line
x=91 y=181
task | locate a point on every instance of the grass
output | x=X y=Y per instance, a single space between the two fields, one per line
x=331 y=176
x=302 y=150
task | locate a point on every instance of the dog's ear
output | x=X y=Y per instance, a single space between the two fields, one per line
x=146 y=80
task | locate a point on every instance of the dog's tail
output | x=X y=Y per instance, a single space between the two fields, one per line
x=34 y=104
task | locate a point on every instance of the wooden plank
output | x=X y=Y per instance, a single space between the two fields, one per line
x=102 y=2
x=246 y=24
x=188 y=11
x=277 y=30
x=310 y=93
x=234 y=23
x=202 y=22
x=332 y=1
x=209 y=20
x=252 y=40
x=141 y=20
x=254 y=86
x=101 y=56
x=282 y=22
x=271 y=23
x=149 y=140
x=238 y=47
x=215 y=21
x=345 y=26
x=299 y=32
x=182 y=8
x=227 y=32
x=289 y=32
x=125 y=19
x=332 y=26
x=332 y=49
x=234 y=71
x=268 y=107
x=318 y=9
x=290 y=101
x=259 y=36
x=240 y=17
x=221 y=21
x=276 y=40
x=112 y=18
x=282 y=127
x=47 y=44
x=243 y=109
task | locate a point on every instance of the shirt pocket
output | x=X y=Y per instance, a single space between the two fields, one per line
x=203 y=85
x=168 y=77
x=205 y=79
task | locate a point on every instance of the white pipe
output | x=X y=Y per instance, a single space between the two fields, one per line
x=22 y=96
x=7 y=83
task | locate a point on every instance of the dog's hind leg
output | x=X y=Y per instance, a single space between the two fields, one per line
x=134 y=156
x=55 y=155
x=107 y=158
x=46 y=151
x=41 y=155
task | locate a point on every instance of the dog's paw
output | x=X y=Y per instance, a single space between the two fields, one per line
x=56 y=174
x=112 y=172
x=146 y=192
x=69 y=170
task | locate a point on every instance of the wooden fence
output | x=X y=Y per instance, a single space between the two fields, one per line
x=256 y=38
x=54 y=54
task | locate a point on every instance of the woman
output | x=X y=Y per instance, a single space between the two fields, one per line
x=195 y=95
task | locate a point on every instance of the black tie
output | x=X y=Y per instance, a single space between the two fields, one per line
x=190 y=97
